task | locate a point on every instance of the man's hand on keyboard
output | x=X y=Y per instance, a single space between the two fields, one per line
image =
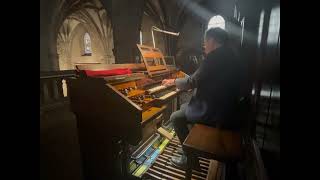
x=168 y=82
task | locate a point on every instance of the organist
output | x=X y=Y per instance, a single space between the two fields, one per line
x=217 y=90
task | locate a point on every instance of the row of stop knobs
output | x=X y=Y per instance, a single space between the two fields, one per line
x=126 y=91
x=141 y=98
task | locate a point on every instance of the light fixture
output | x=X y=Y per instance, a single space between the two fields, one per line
x=154 y=28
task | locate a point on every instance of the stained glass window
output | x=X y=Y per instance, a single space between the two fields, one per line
x=87 y=44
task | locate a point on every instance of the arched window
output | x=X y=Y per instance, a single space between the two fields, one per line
x=140 y=37
x=260 y=27
x=274 y=26
x=217 y=21
x=87 y=44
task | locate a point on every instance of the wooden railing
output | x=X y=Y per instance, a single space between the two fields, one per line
x=53 y=87
x=59 y=143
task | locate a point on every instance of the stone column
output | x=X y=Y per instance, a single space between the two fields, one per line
x=126 y=17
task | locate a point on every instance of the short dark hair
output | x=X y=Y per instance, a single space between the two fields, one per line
x=218 y=34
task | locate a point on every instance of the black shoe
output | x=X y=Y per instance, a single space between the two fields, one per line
x=181 y=162
x=180 y=151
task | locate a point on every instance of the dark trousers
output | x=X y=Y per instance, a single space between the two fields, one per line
x=179 y=120
x=180 y=125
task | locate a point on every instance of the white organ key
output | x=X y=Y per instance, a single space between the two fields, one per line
x=167 y=95
x=155 y=89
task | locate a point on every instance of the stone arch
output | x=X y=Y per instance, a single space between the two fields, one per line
x=87 y=13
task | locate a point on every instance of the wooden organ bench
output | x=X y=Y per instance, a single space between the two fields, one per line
x=213 y=143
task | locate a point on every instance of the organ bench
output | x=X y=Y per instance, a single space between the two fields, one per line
x=212 y=143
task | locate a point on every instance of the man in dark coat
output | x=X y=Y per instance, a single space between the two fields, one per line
x=217 y=89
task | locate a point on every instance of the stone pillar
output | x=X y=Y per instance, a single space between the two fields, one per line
x=126 y=17
x=53 y=58
x=48 y=55
x=44 y=38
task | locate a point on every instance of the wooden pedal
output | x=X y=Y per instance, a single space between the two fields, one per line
x=165 y=133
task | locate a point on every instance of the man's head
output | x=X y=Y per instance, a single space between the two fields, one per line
x=214 y=38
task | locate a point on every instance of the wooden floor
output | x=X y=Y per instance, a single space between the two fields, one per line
x=162 y=168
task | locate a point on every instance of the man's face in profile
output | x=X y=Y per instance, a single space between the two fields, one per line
x=208 y=45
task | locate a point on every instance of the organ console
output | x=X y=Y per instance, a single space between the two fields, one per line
x=123 y=112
